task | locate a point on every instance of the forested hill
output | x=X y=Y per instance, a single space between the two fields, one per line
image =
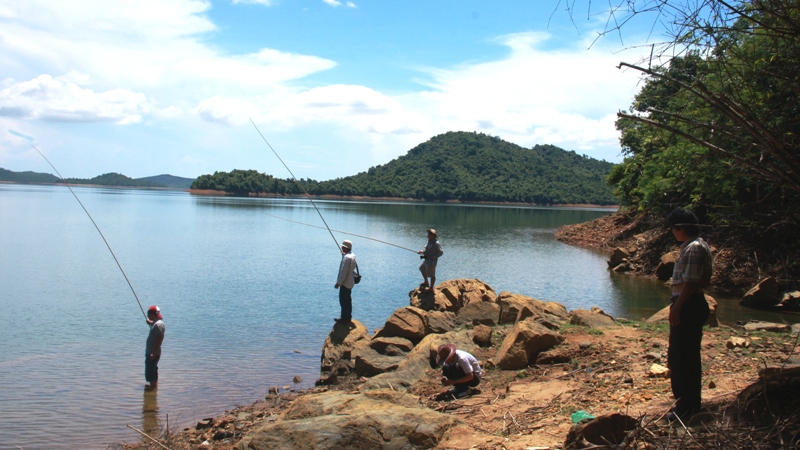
x=472 y=167
x=108 y=179
x=460 y=166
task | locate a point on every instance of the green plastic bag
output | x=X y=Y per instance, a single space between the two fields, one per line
x=577 y=416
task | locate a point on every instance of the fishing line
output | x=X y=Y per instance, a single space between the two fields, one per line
x=95 y=226
x=298 y=183
x=339 y=231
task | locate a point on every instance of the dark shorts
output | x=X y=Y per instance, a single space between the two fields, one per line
x=428 y=269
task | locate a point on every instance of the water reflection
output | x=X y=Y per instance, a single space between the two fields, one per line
x=151 y=422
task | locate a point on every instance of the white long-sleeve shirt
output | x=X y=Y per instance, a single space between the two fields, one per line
x=346 y=269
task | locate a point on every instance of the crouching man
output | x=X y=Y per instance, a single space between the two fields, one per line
x=459 y=369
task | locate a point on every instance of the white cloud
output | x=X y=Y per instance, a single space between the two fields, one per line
x=63 y=100
x=145 y=61
x=336 y=3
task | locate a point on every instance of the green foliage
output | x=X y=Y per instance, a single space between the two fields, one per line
x=108 y=179
x=170 y=181
x=245 y=182
x=717 y=129
x=113 y=179
x=456 y=166
x=474 y=167
x=27 y=177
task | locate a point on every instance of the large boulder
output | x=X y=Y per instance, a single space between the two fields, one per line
x=667 y=264
x=452 y=295
x=407 y=322
x=791 y=301
x=338 y=348
x=439 y=322
x=523 y=344
x=663 y=314
x=482 y=335
x=595 y=318
x=604 y=431
x=514 y=307
x=757 y=325
x=385 y=345
x=619 y=256
x=766 y=294
x=368 y=362
x=338 y=420
x=476 y=313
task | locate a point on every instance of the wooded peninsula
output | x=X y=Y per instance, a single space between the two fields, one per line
x=455 y=166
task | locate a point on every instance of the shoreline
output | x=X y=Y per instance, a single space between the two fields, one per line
x=216 y=193
x=602 y=369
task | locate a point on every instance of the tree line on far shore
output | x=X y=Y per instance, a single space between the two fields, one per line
x=455 y=166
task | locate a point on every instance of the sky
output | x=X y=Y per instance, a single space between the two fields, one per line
x=149 y=87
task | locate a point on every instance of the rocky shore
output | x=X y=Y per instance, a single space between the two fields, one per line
x=545 y=368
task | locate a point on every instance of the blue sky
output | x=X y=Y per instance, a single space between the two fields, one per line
x=147 y=87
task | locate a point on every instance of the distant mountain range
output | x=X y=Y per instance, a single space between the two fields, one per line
x=455 y=166
x=108 y=179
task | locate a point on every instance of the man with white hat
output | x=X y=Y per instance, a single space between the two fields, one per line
x=153 y=348
x=345 y=282
x=459 y=369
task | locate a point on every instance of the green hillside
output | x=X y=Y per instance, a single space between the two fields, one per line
x=472 y=167
x=170 y=181
x=455 y=166
x=108 y=179
x=27 y=177
x=114 y=179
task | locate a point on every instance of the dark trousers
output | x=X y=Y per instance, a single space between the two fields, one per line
x=455 y=372
x=346 y=302
x=683 y=356
x=151 y=368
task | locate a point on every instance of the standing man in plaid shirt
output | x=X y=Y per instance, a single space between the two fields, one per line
x=688 y=313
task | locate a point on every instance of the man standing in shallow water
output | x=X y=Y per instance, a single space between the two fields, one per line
x=688 y=313
x=153 y=346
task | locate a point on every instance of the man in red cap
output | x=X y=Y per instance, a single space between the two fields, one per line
x=153 y=348
x=459 y=369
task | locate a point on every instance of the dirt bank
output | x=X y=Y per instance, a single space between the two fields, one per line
x=605 y=371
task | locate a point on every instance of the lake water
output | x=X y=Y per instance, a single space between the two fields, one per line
x=247 y=296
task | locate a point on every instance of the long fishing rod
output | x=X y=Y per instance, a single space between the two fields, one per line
x=298 y=183
x=96 y=227
x=339 y=231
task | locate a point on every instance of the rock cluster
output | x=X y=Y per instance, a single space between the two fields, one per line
x=381 y=414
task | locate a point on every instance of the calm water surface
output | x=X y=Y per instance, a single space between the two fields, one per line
x=248 y=297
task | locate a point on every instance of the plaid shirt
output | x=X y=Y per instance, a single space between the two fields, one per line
x=695 y=263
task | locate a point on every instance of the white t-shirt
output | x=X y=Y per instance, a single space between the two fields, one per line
x=468 y=363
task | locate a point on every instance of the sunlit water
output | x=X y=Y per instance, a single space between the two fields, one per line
x=248 y=297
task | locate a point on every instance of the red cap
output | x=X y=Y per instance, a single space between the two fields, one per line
x=156 y=310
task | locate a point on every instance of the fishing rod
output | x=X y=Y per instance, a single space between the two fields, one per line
x=298 y=183
x=96 y=227
x=339 y=231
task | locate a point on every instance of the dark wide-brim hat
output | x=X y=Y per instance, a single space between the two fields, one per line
x=444 y=353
